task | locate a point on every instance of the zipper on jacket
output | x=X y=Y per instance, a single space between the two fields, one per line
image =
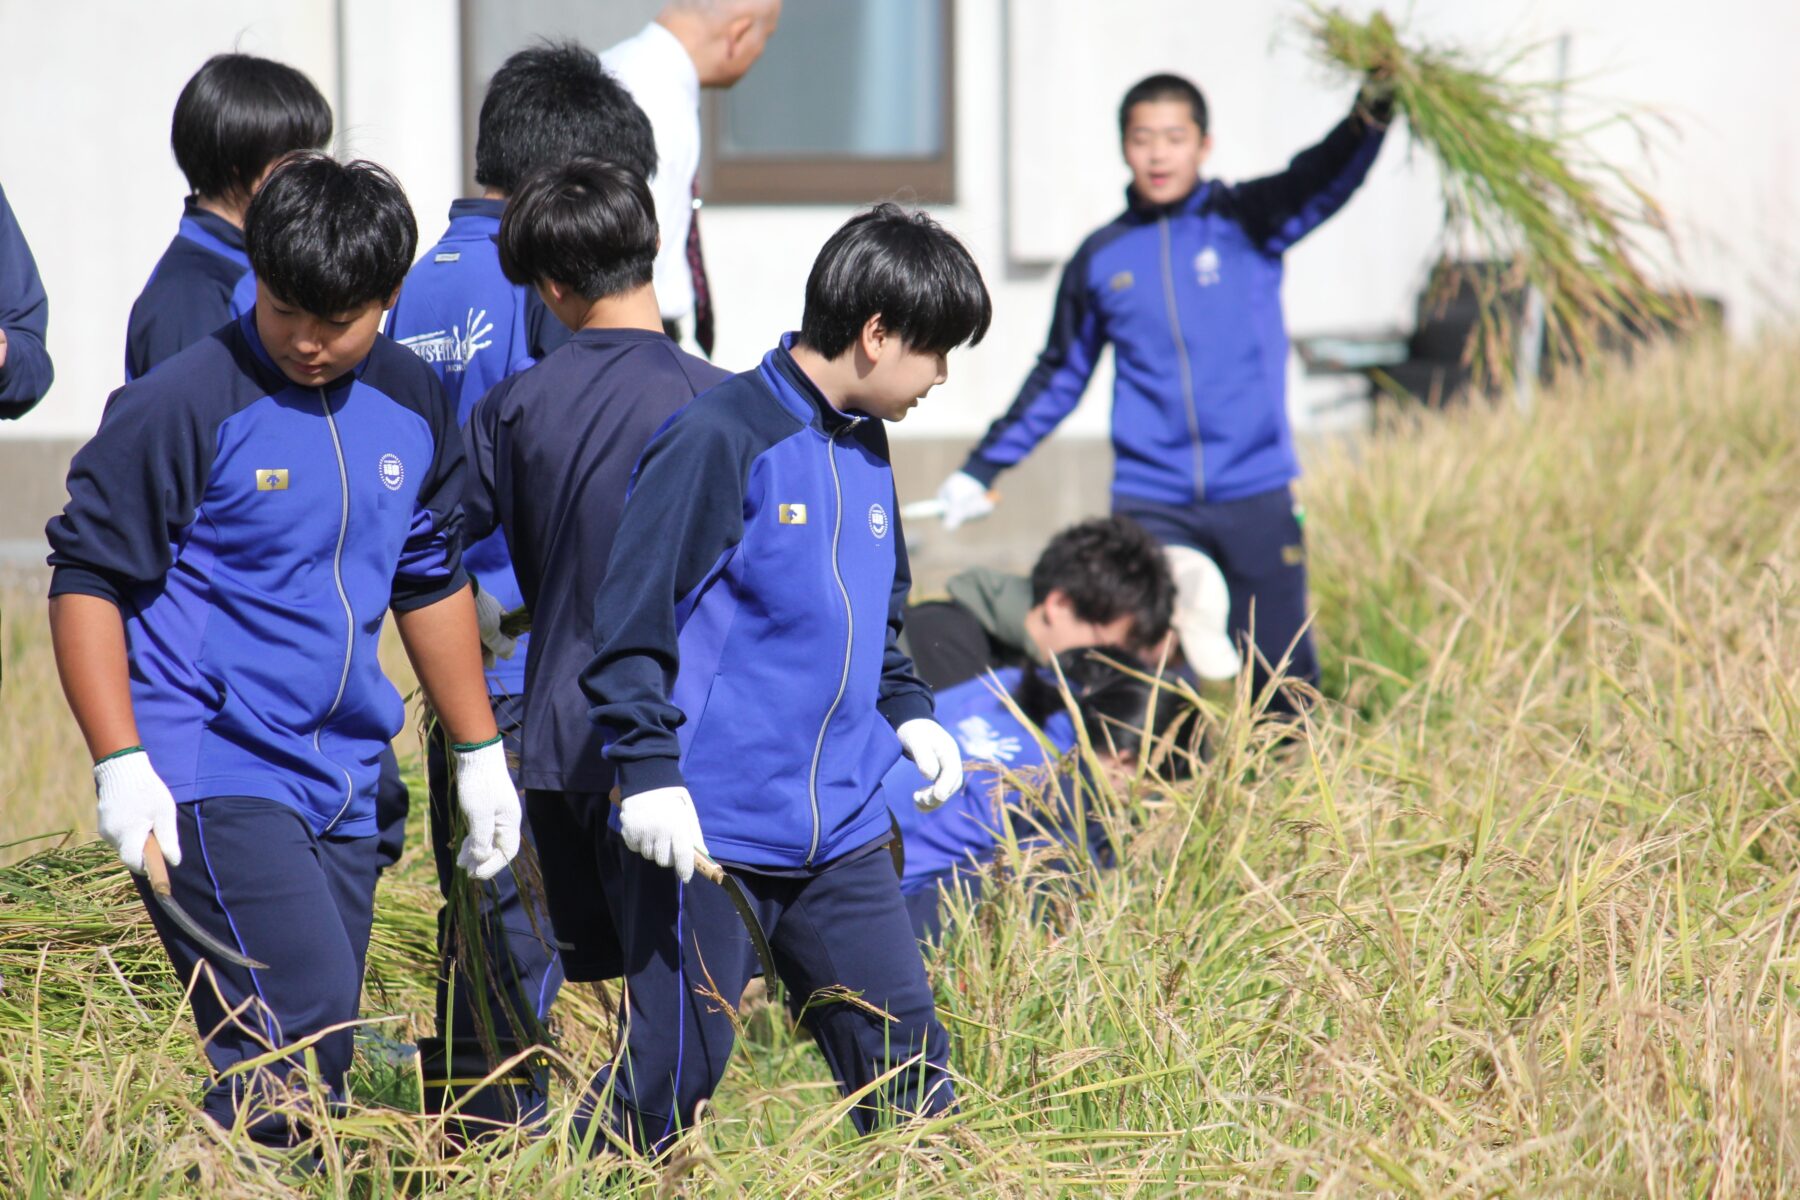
x=1181 y=355
x=337 y=577
x=837 y=527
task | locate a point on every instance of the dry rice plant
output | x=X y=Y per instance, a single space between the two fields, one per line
x=1516 y=918
x=1519 y=187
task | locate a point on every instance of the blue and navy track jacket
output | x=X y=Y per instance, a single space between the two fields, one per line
x=748 y=629
x=459 y=314
x=1189 y=295
x=254 y=533
x=202 y=281
x=25 y=316
x=965 y=829
x=551 y=452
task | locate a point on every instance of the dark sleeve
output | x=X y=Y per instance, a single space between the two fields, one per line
x=683 y=517
x=481 y=436
x=133 y=491
x=543 y=329
x=1278 y=210
x=25 y=316
x=1055 y=384
x=430 y=567
x=947 y=643
x=903 y=695
x=165 y=321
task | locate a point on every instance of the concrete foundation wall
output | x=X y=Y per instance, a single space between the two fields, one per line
x=1063 y=482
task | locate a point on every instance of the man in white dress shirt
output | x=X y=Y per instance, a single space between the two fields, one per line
x=690 y=45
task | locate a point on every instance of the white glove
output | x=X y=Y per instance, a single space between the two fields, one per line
x=490 y=802
x=661 y=825
x=935 y=753
x=965 y=498
x=487 y=622
x=135 y=803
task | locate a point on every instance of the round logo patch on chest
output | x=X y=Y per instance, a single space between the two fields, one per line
x=878 y=521
x=393 y=472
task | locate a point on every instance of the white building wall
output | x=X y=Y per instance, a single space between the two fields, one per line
x=86 y=95
x=88 y=86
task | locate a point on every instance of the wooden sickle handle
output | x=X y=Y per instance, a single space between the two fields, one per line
x=155 y=867
x=708 y=870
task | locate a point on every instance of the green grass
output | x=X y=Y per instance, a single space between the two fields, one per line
x=1517 y=918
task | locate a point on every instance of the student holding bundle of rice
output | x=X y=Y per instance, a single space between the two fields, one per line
x=1186 y=285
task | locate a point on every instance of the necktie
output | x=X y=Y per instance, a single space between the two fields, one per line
x=703 y=317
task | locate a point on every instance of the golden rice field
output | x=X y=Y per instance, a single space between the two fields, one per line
x=1517 y=917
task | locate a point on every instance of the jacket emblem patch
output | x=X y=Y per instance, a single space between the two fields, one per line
x=1121 y=281
x=878 y=521
x=272 y=479
x=393 y=472
x=1206 y=267
x=791 y=514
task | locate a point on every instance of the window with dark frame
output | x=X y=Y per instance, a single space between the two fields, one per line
x=851 y=103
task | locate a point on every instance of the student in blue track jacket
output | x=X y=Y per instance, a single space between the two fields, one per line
x=25 y=371
x=551 y=451
x=1186 y=286
x=752 y=692
x=237 y=117
x=546 y=106
x=1014 y=728
x=236 y=532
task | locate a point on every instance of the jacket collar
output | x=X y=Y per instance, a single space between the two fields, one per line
x=1188 y=205
x=607 y=335
x=476 y=214
x=799 y=394
x=273 y=379
x=213 y=232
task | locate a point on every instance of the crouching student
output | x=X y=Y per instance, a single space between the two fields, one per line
x=1014 y=730
x=1102 y=582
x=236 y=531
x=551 y=451
x=752 y=692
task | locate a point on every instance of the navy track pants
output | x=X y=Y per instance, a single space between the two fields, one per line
x=255 y=875
x=391 y=803
x=685 y=949
x=1260 y=548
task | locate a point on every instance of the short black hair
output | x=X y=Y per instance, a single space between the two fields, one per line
x=907 y=268
x=588 y=225
x=238 y=114
x=551 y=103
x=1112 y=699
x=1109 y=567
x=329 y=237
x=1163 y=87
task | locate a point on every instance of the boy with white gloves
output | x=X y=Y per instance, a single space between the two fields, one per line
x=237 y=531
x=753 y=693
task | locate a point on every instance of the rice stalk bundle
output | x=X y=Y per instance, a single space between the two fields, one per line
x=1521 y=189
